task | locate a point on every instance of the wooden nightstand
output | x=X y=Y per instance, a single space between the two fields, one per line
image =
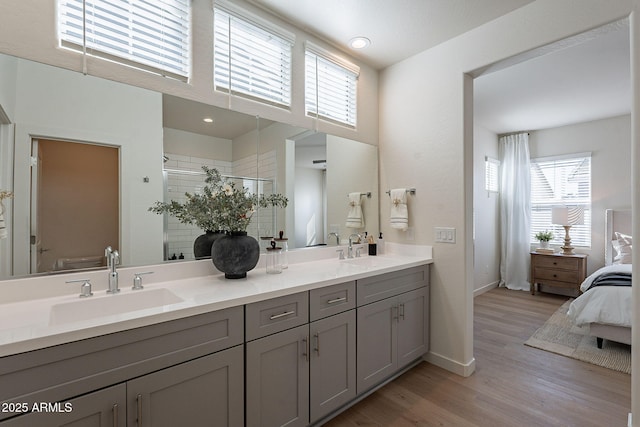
x=560 y=271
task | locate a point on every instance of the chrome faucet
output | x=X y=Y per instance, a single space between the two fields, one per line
x=337 y=236
x=113 y=259
x=350 y=249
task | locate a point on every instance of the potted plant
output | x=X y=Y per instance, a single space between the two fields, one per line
x=544 y=237
x=223 y=207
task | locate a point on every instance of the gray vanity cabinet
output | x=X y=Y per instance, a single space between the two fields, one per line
x=300 y=375
x=278 y=379
x=333 y=363
x=393 y=331
x=204 y=392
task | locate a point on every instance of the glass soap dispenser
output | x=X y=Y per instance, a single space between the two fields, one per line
x=273 y=259
x=283 y=242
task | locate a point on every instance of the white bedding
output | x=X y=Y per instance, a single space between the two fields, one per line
x=610 y=305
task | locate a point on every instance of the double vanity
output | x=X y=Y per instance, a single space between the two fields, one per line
x=192 y=348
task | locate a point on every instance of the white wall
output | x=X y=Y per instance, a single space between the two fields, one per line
x=8 y=70
x=609 y=141
x=59 y=104
x=28 y=30
x=486 y=210
x=196 y=145
x=426 y=141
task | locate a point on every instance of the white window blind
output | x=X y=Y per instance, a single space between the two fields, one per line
x=145 y=34
x=250 y=59
x=557 y=181
x=491 y=175
x=330 y=87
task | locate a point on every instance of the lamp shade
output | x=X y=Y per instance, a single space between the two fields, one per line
x=567 y=215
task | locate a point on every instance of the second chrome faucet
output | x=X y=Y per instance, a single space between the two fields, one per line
x=113 y=259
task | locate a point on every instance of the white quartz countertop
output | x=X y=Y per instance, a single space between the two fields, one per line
x=42 y=322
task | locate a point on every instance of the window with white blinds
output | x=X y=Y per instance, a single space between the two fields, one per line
x=251 y=59
x=561 y=181
x=145 y=34
x=491 y=175
x=330 y=87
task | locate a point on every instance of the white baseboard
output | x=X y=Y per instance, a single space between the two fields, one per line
x=450 y=365
x=486 y=288
x=629 y=423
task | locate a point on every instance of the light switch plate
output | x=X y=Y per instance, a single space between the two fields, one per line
x=445 y=234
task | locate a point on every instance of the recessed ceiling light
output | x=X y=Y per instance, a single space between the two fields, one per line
x=359 y=42
x=207 y=120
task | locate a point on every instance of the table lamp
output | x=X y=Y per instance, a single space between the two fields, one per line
x=567 y=216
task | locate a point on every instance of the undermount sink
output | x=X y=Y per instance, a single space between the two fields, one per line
x=368 y=261
x=108 y=305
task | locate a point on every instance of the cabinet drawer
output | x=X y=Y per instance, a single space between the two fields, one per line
x=566 y=263
x=268 y=317
x=332 y=300
x=543 y=274
x=387 y=285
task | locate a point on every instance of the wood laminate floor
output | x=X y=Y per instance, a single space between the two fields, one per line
x=513 y=385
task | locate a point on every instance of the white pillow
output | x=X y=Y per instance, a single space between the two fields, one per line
x=623 y=247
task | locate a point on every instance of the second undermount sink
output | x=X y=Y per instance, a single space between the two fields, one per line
x=366 y=261
x=108 y=305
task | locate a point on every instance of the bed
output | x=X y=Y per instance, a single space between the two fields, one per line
x=605 y=304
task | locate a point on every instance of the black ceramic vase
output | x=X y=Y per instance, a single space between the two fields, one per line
x=203 y=243
x=235 y=253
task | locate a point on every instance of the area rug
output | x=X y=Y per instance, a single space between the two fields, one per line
x=559 y=335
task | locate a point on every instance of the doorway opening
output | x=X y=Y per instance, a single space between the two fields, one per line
x=75 y=204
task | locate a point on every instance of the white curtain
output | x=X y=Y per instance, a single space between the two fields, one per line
x=515 y=211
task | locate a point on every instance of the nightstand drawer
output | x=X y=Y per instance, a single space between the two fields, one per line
x=566 y=263
x=543 y=274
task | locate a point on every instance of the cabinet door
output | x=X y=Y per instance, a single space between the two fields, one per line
x=98 y=409
x=203 y=392
x=333 y=363
x=413 y=325
x=377 y=349
x=278 y=379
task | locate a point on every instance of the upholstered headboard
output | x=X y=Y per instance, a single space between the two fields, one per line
x=615 y=220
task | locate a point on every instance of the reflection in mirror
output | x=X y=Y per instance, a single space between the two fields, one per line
x=156 y=136
x=197 y=134
x=317 y=172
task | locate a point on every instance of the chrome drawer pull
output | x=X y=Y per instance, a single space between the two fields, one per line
x=317 y=349
x=335 y=300
x=277 y=316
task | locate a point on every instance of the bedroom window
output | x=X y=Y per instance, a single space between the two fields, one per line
x=330 y=86
x=152 y=36
x=491 y=175
x=561 y=180
x=251 y=57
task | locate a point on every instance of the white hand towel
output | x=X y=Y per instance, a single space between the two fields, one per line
x=355 y=219
x=3 y=228
x=399 y=217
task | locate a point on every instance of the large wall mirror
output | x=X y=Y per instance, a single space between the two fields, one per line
x=155 y=145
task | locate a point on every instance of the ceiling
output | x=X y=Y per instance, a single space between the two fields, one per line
x=397 y=29
x=582 y=79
